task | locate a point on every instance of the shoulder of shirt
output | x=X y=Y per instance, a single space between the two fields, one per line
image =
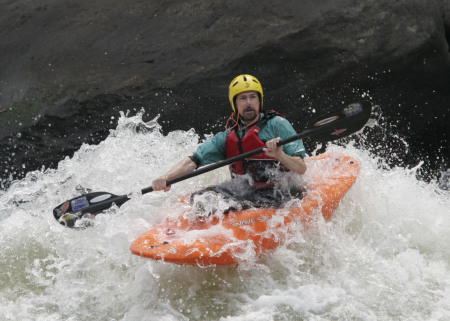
x=278 y=119
x=276 y=114
x=222 y=134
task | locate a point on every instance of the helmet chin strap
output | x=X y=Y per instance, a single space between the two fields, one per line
x=234 y=117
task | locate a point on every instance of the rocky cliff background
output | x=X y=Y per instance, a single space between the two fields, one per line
x=68 y=67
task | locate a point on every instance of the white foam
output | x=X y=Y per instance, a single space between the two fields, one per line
x=385 y=254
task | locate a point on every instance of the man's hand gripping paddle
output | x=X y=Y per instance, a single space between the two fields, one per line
x=337 y=124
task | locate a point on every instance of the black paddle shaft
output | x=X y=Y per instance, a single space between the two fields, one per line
x=338 y=124
x=335 y=125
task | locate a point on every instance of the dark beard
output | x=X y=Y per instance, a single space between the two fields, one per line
x=250 y=118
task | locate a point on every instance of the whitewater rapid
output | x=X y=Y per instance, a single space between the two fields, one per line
x=385 y=255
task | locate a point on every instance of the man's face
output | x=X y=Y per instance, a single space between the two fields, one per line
x=247 y=104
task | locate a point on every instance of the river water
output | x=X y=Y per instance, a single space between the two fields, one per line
x=385 y=255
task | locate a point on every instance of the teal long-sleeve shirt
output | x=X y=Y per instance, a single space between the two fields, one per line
x=213 y=149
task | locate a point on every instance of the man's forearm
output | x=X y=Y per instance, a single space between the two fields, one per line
x=294 y=163
x=185 y=166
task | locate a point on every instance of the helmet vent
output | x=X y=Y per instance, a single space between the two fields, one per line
x=245 y=78
x=235 y=83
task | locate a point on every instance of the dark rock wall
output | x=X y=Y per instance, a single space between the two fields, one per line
x=74 y=64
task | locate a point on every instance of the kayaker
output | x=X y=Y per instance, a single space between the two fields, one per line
x=254 y=182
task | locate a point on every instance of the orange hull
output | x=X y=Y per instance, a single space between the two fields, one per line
x=224 y=241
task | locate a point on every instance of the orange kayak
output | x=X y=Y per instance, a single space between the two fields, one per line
x=183 y=239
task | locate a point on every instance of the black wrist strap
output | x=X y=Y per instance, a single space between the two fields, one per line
x=197 y=162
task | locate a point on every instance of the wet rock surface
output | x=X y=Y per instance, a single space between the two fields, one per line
x=68 y=68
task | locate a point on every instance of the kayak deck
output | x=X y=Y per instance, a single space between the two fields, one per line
x=227 y=240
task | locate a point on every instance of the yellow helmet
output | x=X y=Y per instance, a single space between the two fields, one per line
x=244 y=83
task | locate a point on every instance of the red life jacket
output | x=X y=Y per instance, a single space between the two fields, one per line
x=250 y=141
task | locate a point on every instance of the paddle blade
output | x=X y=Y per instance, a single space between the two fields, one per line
x=85 y=206
x=337 y=124
x=341 y=122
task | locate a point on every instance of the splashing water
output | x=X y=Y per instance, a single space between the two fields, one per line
x=384 y=255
